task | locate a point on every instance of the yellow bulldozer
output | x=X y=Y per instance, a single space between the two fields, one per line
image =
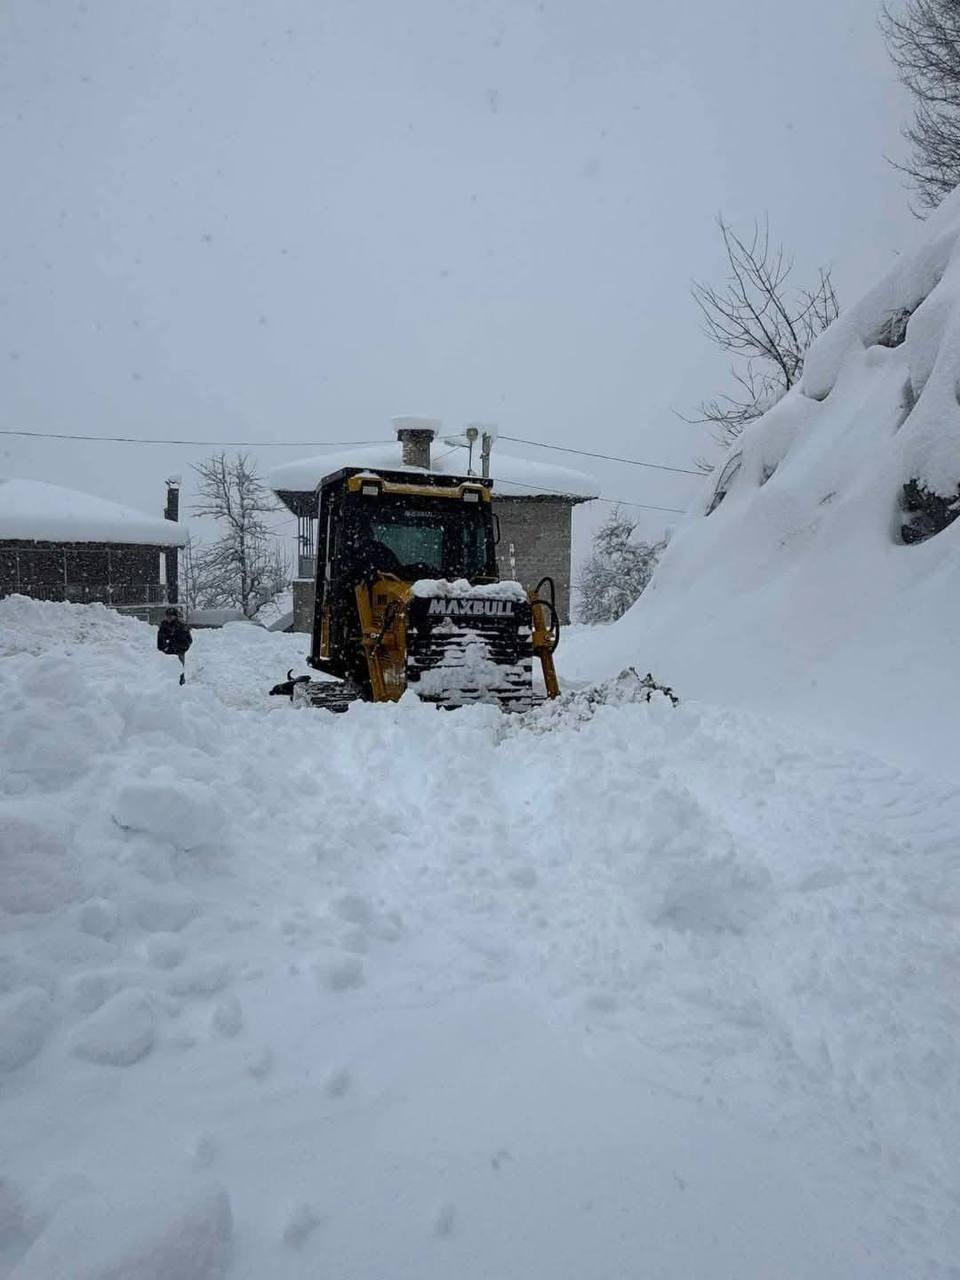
x=408 y=596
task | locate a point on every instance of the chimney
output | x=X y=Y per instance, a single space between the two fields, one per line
x=415 y=435
x=171 y=568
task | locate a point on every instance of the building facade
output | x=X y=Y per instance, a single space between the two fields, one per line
x=536 y=535
x=59 y=544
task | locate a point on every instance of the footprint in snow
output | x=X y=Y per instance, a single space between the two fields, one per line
x=227 y=1019
x=524 y=877
x=260 y=1064
x=165 y=912
x=339 y=973
x=601 y=1002
x=355 y=940
x=338 y=1083
x=99 y=918
x=359 y=910
x=355 y=908
x=202 y=978
x=444 y=1220
x=90 y=990
x=118 y=1034
x=25 y=1022
x=204 y=1152
x=165 y=950
x=300 y=1225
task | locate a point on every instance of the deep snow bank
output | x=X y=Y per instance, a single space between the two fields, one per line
x=796 y=593
x=413 y=994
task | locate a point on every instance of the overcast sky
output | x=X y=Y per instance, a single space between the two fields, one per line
x=290 y=219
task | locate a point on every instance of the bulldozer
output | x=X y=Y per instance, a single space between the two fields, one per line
x=408 y=597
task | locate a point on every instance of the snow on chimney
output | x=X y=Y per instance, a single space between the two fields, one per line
x=416 y=435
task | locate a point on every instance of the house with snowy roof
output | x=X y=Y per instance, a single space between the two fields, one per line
x=534 y=502
x=60 y=544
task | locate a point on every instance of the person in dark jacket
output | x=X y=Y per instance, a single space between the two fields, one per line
x=173 y=636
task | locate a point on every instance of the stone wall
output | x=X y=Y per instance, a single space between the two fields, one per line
x=535 y=535
x=304 y=595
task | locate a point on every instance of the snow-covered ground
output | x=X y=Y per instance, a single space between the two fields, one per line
x=403 y=993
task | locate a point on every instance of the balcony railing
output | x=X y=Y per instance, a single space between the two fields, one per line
x=113 y=593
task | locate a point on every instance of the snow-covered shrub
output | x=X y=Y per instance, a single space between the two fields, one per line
x=617 y=571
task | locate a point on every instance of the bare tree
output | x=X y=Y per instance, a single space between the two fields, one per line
x=201 y=578
x=763 y=320
x=617 y=571
x=190 y=588
x=924 y=42
x=248 y=564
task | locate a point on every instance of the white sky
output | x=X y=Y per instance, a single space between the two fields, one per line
x=289 y=219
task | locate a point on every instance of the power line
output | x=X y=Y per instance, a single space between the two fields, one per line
x=243 y=444
x=643 y=506
x=334 y=444
x=618 y=502
x=606 y=457
x=445 y=454
x=330 y=444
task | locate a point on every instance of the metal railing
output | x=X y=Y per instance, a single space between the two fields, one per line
x=112 y=593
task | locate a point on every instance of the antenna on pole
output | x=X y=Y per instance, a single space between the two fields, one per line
x=486 y=444
x=471 y=433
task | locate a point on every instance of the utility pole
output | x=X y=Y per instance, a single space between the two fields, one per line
x=471 y=433
x=486 y=444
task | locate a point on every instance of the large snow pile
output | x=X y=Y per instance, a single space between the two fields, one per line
x=649 y=990
x=797 y=592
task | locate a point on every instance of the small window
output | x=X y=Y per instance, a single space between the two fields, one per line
x=725 y=480
x=415 y=541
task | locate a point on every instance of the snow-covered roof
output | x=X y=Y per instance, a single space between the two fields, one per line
x=513 y=477
x=34 y=510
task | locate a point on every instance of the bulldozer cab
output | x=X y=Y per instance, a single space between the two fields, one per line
x=387 y=531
